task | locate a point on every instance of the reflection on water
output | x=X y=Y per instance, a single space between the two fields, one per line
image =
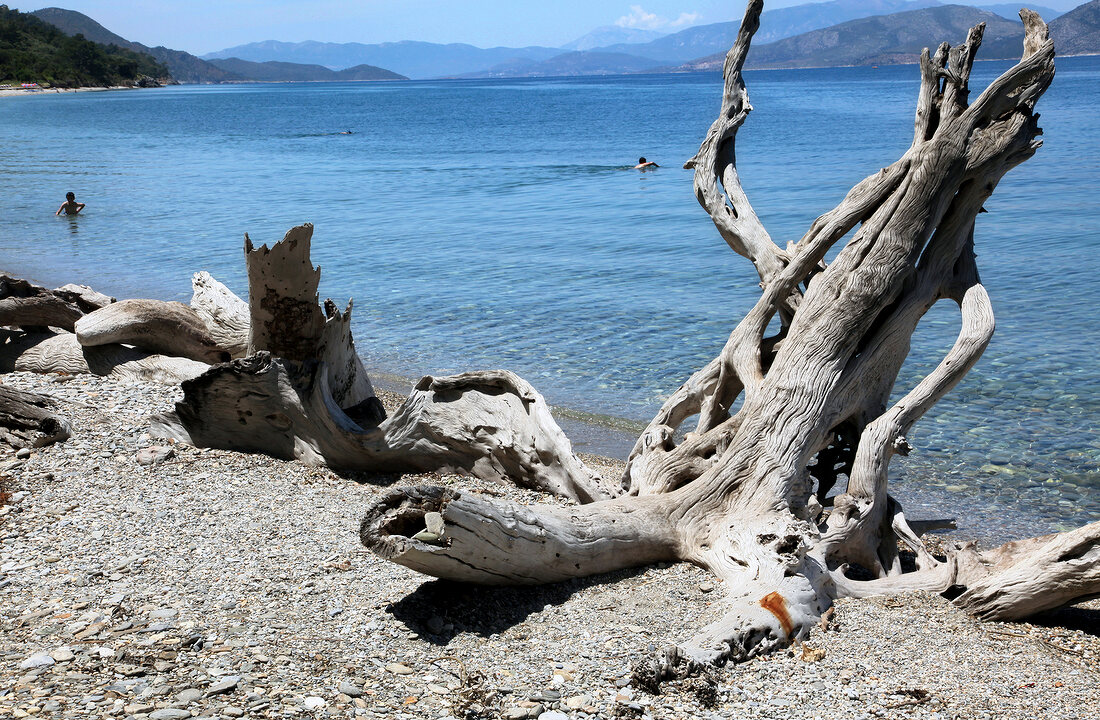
x=489 y=224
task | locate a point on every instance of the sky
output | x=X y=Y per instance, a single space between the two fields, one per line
x=201 y=26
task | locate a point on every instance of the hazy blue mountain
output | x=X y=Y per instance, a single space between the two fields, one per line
x=184 y=67
x=882 y=40
x=701 y=40
x=610 y=35
x=589 y=62
x=1078 y=31
x=273 y=71
x=414 y=59
x=1012 y=10
x=791 y=21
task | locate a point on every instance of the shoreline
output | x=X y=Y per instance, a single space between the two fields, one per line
x=20 y=92
x=712 y=70
x=222 y=584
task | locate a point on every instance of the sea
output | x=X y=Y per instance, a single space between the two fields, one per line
x=500 y=224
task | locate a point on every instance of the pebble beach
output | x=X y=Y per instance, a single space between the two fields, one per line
x=141 y=579
x=21 y=92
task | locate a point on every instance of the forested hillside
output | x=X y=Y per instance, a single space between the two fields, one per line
x=35 y=51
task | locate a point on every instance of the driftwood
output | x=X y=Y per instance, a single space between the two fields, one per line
x=47 y=352
x=24 y=304
x=168 y=328
x=38 y=348
x=146 y=340
x=85 y=298
x=224 y=314
x=28 y=420
x=778 y=420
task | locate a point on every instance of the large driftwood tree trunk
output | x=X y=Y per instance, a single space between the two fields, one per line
x=779 y=420
x=744 y=493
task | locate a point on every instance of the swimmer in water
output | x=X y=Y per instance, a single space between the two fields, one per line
x=70 y=206
x=643 y=164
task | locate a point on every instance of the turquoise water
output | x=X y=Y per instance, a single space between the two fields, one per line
x=484 y=224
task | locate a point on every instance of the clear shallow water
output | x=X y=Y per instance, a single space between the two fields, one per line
x=488 y=224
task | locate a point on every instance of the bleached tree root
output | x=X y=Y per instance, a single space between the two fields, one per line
x=1027 y=577
x=167 y=328
x=473 y=538
x=782 y=419
x=62 y=353
x=28 y=419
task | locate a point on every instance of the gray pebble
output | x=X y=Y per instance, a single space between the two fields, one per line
x=223 y=686
x=170 y=714
x=350 y=690
x=36 y=661
x=188 y=696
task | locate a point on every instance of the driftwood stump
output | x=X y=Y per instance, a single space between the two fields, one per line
x=302 y=392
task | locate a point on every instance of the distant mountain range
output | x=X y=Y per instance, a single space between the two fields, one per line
x=416 y=59
x=609 y=50
x=838 y=32
x=611 y=35
x=1078 y=31
x=900 y=37
x=881 y=40
x=429 y=60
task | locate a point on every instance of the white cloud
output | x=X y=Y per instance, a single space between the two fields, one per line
x=642 y=20
x=685 y=19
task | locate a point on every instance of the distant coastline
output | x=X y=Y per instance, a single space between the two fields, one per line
x=18 y=92
x=21 y=92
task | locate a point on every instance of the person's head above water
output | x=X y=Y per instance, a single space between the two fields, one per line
x=641 y=161
x=70 y=206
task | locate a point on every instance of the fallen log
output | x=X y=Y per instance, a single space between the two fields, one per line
x=24 y=304
x=167 y=328
x=28 y=419
x=47 y=352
